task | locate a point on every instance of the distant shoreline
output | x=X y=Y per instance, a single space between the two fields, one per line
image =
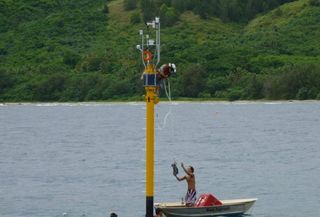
x=161 y=101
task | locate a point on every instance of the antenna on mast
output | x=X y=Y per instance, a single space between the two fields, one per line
x=150 y=44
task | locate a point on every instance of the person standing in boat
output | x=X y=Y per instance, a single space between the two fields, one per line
x=191 y=181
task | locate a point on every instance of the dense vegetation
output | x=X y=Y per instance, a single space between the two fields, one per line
x=232 y=10
x=58 y=50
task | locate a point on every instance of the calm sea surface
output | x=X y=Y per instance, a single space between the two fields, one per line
x=87 y=160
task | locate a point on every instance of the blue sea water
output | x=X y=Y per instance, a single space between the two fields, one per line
x=82 y=160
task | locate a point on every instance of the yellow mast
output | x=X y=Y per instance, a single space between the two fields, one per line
x=150 y=61
x=151 y=100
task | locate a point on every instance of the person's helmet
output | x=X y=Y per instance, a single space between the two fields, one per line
x=173 y=67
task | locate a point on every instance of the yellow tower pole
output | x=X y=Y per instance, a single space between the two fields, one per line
x=151 y=85
x=151 y=100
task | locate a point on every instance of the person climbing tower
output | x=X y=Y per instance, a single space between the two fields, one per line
x=166 y=70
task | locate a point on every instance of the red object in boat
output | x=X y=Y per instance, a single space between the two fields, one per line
x=207 y=200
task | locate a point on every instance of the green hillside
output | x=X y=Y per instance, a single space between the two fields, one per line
x=56 y=50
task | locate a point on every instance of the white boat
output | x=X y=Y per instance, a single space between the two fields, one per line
x=228 y=207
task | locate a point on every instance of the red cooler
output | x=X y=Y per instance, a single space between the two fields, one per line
x=207 y=200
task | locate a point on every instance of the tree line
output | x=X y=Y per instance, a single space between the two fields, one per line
x=300 y=82
x=231 y=10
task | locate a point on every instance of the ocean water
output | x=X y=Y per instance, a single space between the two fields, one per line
x=88 y=160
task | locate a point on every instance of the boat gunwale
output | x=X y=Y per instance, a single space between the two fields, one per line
x=232 y=202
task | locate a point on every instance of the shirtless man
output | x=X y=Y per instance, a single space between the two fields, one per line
x=189 y=177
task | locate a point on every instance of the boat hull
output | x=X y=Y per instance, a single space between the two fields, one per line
x=228 y=207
